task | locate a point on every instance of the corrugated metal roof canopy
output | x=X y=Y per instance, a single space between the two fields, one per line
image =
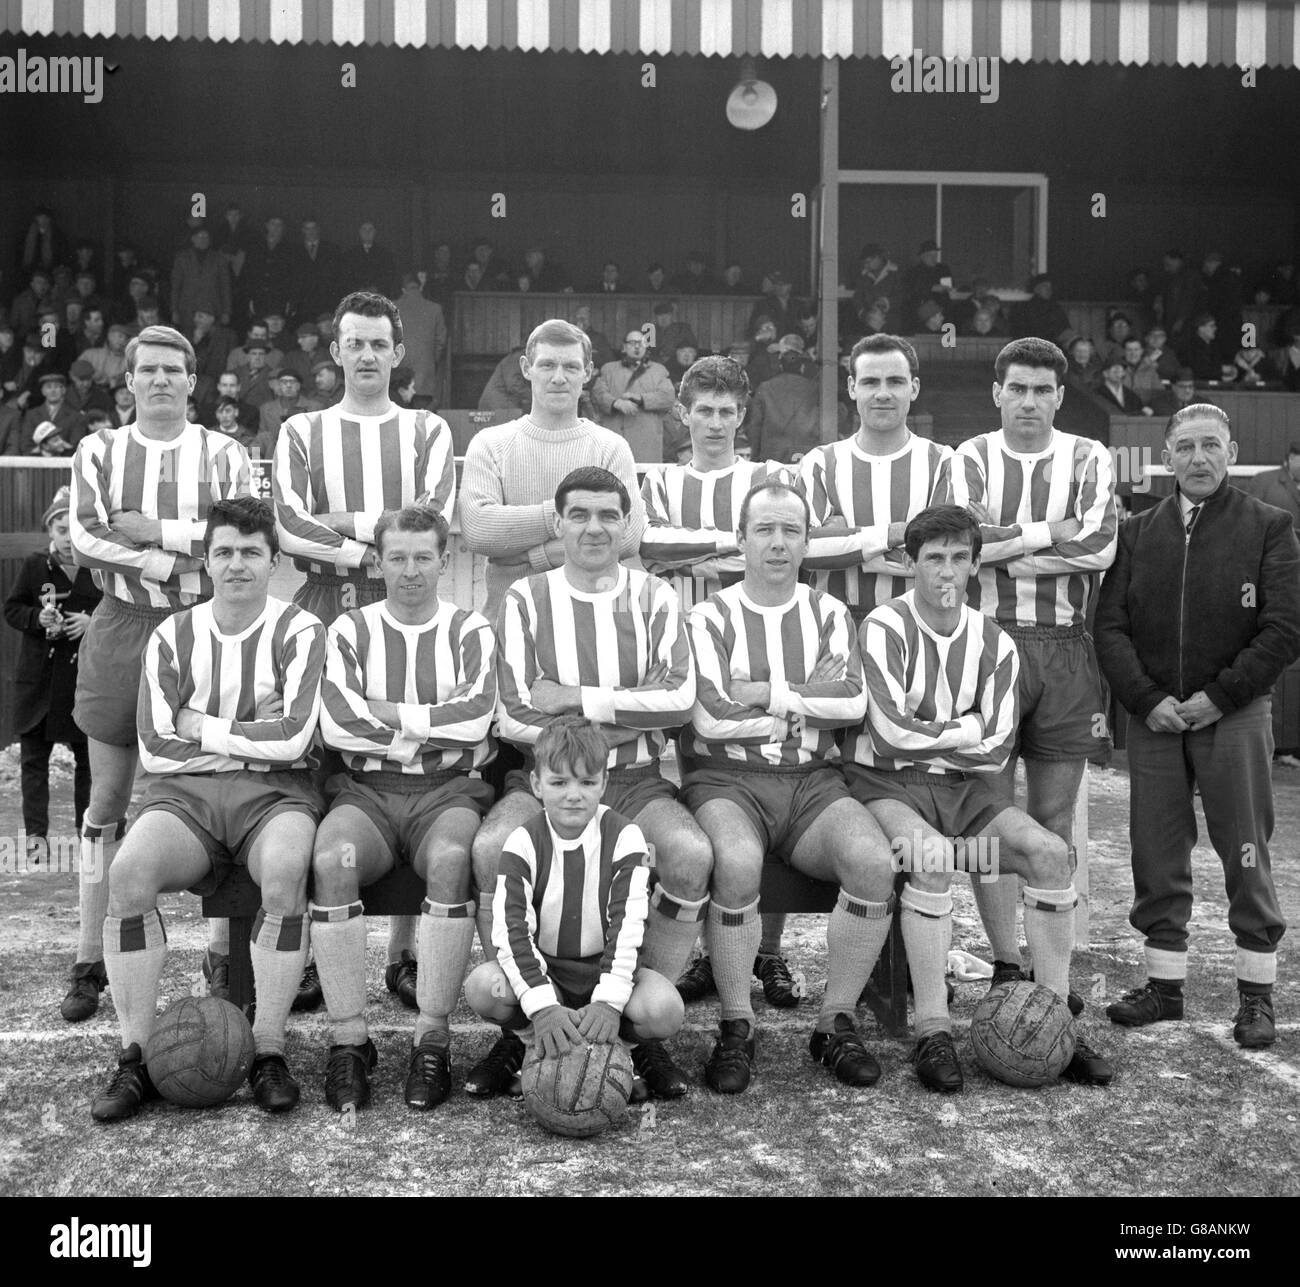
x=1186 y=33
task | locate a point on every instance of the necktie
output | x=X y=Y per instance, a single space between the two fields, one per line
x=1191 y=519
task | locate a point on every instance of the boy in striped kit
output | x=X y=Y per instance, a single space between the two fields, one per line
x=778 y=673
x=140 y=497
x=1046 y=505
x=335 y=472
x=863 y=490
x=227 y=710
x=607 y=642
x=569 y=912
x=692 y=516
x=408 y=698
x=943 y=701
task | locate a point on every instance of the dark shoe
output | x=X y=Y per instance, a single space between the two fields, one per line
x=842 y=1051
x=778 y=985
x=347 y=1070
x=1006 y=972
x=89 y=979
x=498 y=1070
x=697 y=983
x=936 y=1063
x=428 y=1081
x=1144 y=1005
x=309 y=995
x=654 y=1065
x=400 y=979
x=274 y=1087
x=127 y=1089
x=1254 y=1026
x=731 y=1065
x=1074 y=1000
x=1088 y=1068
x=216 y=969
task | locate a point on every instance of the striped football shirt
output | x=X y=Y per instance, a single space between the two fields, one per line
x=569 y=900
x=734 y=638
x=869 y=493
x=936 y=702
x=190 y=664
x=328 y=462
x=606 y=643
x=1023 y=578
x=176 y=482
x=692 y=516
x=441 y=676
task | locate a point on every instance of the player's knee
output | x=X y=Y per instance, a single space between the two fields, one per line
x=737 y=875
x=655 y=1009
x=685 y=866
x=134 y=881
x=284 y=886
x=334 y=873
x=930 y=882
x=485 y=856
x=488 y=993
x=108 y=802
x=1048 y=863
x=447 y=876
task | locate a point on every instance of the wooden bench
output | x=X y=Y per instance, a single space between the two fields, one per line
x=401 y=893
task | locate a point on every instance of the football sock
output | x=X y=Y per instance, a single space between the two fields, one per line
x=483 y=921
x=773 y=927
x=855 y=933
x=99 y=845
x=670 y=933
x=135 y=948
x=926 y=922
x=1049 y=930
x=1256 y=971
x=735 y=934
x=1166 y=969
x=446 y=936
x=279 y=952
x=338 y=936
x=219 y=936
x=402 y=931
x=996 y=900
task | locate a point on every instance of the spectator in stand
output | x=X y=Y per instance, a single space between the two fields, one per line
x=733 y=280
x=326 y=384
x=1118 y=330
x=11 y=430
x=1223 y=301
x=508 y=388
x=930 y=316
x=1084 y=370
x=875 y=321
x=631 y=395
x=139 y=287
x=494 y=273
x=669 y=333
x=695 y=278
x=439 y=282
x=93 y=333
x=50 y=602
x=317 y=286
x=212 y=345
x=84 y=395
x=985 y=321
x=85 y=257
x=609 y=283
x=784 y=420
x=877 y=279
x=149 y=313
x=927 y=277
x=1281 y=487
x=258 y=329
x=282 y=343
x=544 y=275
x=28 y=303
x=234 y=240
x=303 y=357
x=806 y=320
x=1138 y=377
x=53 y=409
x=1040 y=315
x=1278 y=286
x=85 y=287
x=1181 y=297
x=682 y=359
x=1251 y=367
x=11 y=357
x=1142 y=298
x=473 y=278
x=70 y=323
x=226 y=419
x=776 y=304
x=59 y=345
x=1181 y=393
x=424 y=333
x=273 y=413
x=269 y=272
x=1285 y=361
x=109 y=362
x=762 y=364
x=228 y=390
x=1159 y=356
x=602 y=350
x=656 y=280
x=1119 y=399
x=26 y=391
x=48 y=440
x=1204 y=347
x=123 y=403
x=42 y=244
x=402 y=390
x=257 y=376
x=200 y=280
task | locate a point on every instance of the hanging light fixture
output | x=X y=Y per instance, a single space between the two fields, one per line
x=753 y=102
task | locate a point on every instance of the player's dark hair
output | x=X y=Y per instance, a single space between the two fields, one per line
x=939 y=522
x=721 y=375
x=369 y=303
x=883 y=343
x=591 y=478
x=164 y=337
x=556 y=330
x=247 y=515
x=1197 y=411
x=780 y=488
x=226 y=402
x=571 y=743
x=412 y=518
x=1034 y=352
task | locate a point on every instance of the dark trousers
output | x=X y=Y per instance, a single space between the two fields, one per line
x=35 y=758
x=1231 y=762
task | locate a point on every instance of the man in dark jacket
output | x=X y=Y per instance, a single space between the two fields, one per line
x=50 y=602
x=1281 y=487
x=1197 y=618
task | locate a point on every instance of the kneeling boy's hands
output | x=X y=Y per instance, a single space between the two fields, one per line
x=598 y=1023
x=555 y=1030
